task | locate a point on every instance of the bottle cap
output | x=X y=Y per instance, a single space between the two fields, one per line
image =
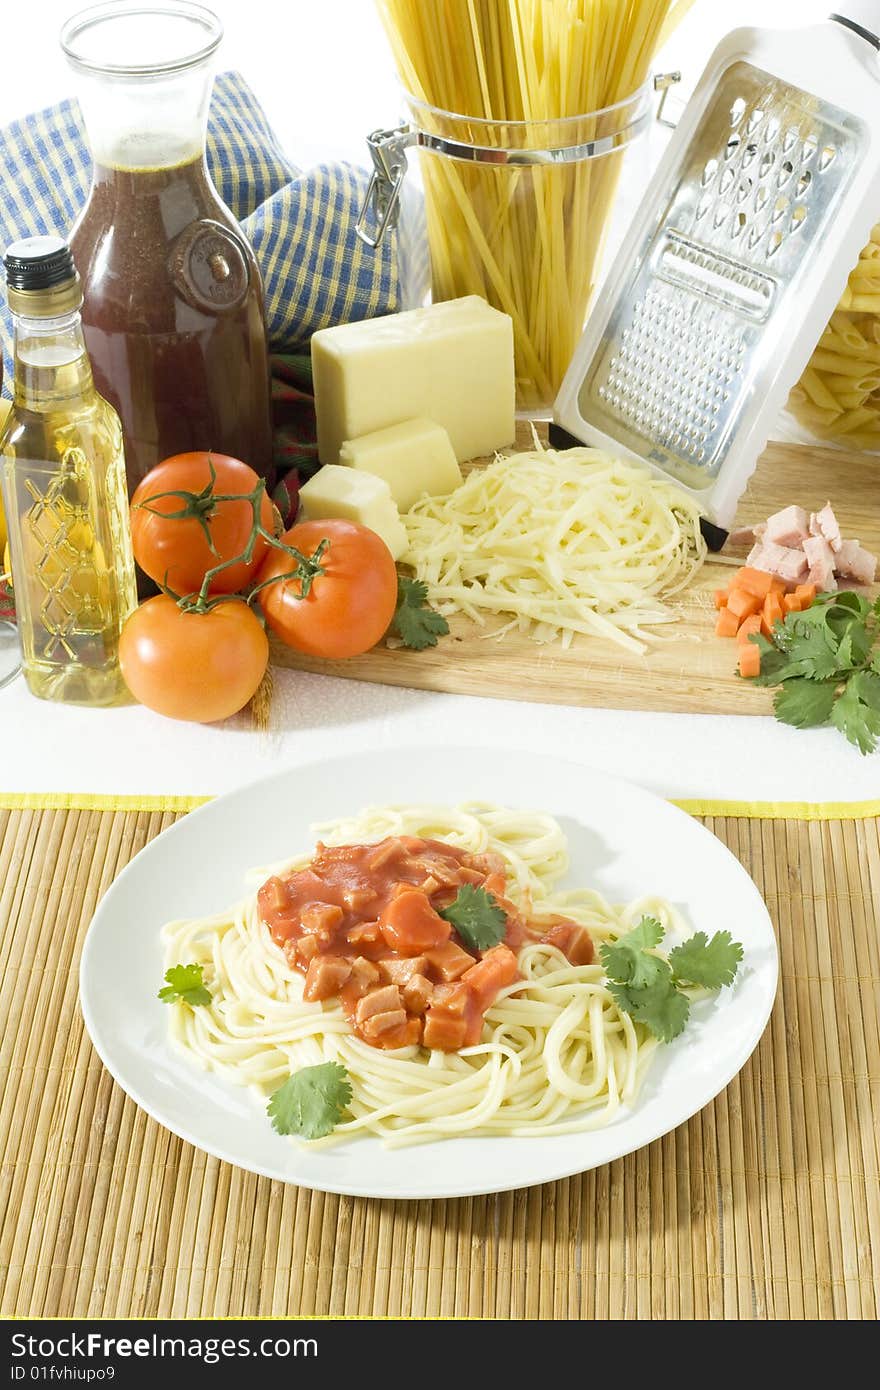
x=41 y=279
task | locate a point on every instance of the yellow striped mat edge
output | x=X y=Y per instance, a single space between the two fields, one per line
x=750 y=810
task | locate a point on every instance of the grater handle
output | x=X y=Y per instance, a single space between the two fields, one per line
x=862 y=17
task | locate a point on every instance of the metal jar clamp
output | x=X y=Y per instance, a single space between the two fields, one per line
x=388 y=152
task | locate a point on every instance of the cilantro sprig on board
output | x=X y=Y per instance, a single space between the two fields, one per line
x=651 y=989
x=185 y=985
x=416 y=624
x=826 y=663
x=477 y=917
x=311 y=1102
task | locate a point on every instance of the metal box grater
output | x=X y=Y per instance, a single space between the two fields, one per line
x=735 y=260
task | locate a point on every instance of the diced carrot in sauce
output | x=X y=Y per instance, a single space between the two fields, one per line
x=791 y=603
x=497 y=969
x=726 y=624
x=806 y=593
x=748 y=626
x=749 y=660
x=411 y=926
x=742 y=604
x=720 y=597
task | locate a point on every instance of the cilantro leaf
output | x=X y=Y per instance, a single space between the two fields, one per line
x=185 y=984
x=659 y=1006
x=699 y=961
x=812 y=649
x=628 y=960
x=416 y=624
x=477 y=918
x=805 y=704
x=311 y=1101
x=856 y=711
x=826 y=662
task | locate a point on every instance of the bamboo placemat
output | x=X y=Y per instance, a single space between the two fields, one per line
x=765 y=1205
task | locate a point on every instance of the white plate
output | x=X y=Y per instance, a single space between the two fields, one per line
x=622 y=840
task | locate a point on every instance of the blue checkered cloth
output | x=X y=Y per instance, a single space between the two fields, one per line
x=316 y=271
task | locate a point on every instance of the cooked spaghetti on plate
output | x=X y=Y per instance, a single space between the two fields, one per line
x=420 y=975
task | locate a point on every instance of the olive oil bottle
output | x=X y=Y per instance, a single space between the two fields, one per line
x=64 y=490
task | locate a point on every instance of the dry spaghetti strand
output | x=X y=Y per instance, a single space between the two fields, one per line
x=528 y=239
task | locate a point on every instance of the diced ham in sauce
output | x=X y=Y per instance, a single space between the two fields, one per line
x=362 y=923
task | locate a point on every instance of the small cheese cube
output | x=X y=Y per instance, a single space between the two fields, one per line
x=413 y=458
x=360 y=497
x=451 y=362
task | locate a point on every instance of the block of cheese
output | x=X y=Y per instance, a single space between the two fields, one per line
x=413 y=458
x=451 y=362
x=354 y=496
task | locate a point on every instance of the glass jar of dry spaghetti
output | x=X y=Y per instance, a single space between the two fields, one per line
x=524 y=111
x=518 y=212
x=838 y=396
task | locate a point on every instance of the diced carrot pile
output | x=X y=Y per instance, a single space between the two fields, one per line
x=754 y=602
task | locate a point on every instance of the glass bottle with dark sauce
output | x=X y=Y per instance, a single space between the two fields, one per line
x=173 y=303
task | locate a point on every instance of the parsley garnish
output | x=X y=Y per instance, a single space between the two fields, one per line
x=477 y=918
x=416 y=624
x=699 y=961
x=185 y=984
x=650 y=989
x=311 y=1101
x=826 y=663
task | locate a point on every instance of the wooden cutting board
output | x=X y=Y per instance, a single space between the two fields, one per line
x=688 y=670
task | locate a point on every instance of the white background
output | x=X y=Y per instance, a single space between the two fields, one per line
x=322 y=72
x=321 y=68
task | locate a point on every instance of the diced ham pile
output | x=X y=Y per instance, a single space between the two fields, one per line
x=801 y=547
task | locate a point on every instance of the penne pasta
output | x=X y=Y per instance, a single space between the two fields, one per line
x=838 y=395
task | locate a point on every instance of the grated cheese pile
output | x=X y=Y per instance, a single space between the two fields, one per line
x=561 y=542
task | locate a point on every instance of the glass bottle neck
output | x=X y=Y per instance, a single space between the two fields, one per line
x=52 y=367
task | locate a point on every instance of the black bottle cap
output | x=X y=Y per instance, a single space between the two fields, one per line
x=39 y=263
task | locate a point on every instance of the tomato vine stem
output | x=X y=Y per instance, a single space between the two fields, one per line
x=200 y=507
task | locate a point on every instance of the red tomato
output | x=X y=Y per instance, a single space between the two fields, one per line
x=200 y=666
x=174 y=550
x=349 y=605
